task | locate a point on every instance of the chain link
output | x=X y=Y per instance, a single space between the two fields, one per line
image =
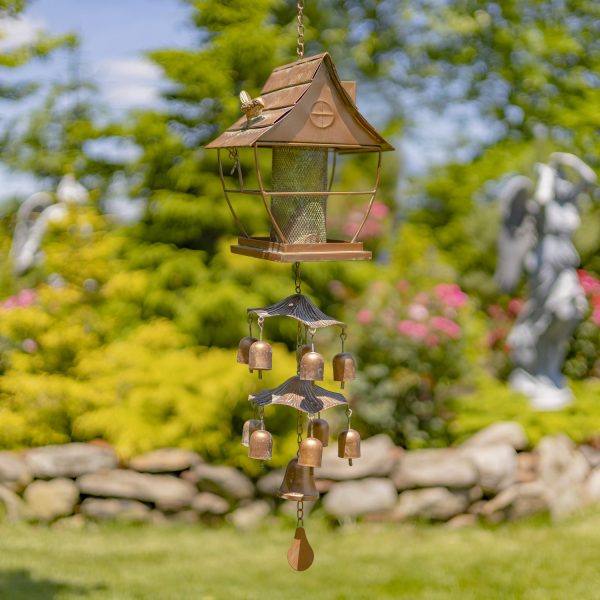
x=299 y=431
x=298 y=347
x=343 y=337
x=300 y=43
x=297 y=280
x=300 y=514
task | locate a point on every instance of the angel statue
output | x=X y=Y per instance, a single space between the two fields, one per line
x=33 y=218
x=538 y=222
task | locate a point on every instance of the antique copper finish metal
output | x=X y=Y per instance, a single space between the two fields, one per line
x=298 y=483
x=250 y=427
x=302 y=350
x=243 y=353
x=320 y=430
x=311 y=452
x=304 y=109
x=349 y=444
x=261 y=445
x=300 y=555
x=302 y=395
x=344 y=368
x=298 y=307
x=260 y=357
x=312 y=367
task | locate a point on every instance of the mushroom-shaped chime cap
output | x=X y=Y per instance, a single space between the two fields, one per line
x=261 y=445
x=312 y=367
x=250 y=427
x=244 y=349
x=260 y=357
x=298 y=483
x=344 y=367
x=349 y=444
x=311 y=452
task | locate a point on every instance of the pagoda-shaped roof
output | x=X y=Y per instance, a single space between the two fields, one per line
x=306 y=104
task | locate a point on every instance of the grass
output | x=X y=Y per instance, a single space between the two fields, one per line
x=531 y=560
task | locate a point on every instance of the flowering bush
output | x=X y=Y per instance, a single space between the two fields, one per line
x=409 y=352
x=583 y=359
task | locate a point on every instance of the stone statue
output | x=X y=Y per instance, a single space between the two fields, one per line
x=538 y=222
x=33 y=218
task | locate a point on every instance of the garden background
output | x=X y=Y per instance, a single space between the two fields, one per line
x=126 y=329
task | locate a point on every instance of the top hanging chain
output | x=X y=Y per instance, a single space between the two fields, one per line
x=300 y=43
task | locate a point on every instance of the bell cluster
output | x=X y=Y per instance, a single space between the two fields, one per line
x=298 y=482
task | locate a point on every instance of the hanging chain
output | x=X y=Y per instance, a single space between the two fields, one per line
x=300 y=43
x=261 y=324
x=250 y=325
x=298 y=347
x=349 y=415
x=300 y=514
x=299 y=431
x=343 y=337
x=297 y=280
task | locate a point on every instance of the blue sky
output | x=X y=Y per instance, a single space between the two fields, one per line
x=114 y=36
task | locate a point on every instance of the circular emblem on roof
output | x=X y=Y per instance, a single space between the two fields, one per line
x=321 y=114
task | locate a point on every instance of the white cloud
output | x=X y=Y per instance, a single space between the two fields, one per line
x=129 y=82
x=15 y=32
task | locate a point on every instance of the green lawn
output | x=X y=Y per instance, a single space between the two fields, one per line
x=533 y=560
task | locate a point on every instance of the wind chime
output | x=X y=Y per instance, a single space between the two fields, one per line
x=305 y=117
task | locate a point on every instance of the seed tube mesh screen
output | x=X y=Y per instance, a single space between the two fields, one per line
x=302 y=219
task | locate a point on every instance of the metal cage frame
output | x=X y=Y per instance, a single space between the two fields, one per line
x=282 y=250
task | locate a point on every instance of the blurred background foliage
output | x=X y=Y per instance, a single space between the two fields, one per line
x=127 y=331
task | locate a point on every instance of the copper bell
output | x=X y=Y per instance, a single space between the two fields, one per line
x=298 y=483
x=261 y=445
x=344 y=367
x=312 y=367
x=260 y=357
x=349 y=445
x=304 y=349
x=250 y=427
x=311 y=452
x=244 y=349
x=320 y=430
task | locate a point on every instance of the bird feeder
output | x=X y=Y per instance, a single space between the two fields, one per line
x=305 y=116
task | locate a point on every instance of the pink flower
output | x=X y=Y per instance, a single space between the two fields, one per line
x=402 y=285
x=418 y=312
x=24 y=298
x=29 y=345
x=515 y=306
x=379 y=210
x=364 y=316
x=451 y=295
x=596 y=316
x=432 y=340
x=412 y=329
x=450 y=328
x=589 y=283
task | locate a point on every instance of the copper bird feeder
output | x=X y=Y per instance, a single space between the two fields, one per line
x=304 y=118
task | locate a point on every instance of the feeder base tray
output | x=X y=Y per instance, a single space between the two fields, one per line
x=263 y=247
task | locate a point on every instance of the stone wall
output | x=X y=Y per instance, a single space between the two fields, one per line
x=491 y=477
